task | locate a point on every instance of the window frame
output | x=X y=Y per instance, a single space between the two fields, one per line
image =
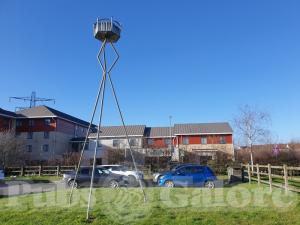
x=222 y=139
x=31 y=123
x=30 y=135
x=203 y=138
x=29 y=148
x=45 y=148
x=150 y=141
x=46 y=121
x=185 y=140
x=46 y=134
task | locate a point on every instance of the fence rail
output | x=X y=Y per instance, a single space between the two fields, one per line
x=38 y=170
x=287 y=178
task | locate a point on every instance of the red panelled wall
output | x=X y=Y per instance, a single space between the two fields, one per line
x=211 y=139
x=39 y=125
x=5 y=123
x=158 y=143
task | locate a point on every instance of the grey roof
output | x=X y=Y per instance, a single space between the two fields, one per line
x=202 y=128
x=45 y=111
x=7 y=113
x=152 y=132
x=118 y=131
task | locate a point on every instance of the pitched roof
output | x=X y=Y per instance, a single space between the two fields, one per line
x=152 y=132
x=202 y=128
x=118 y=131
x=7 y=113
x=45 y=111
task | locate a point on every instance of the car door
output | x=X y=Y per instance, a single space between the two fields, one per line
x=101 y=177
x=182 y=177
x=84 y=177
x=197 y=172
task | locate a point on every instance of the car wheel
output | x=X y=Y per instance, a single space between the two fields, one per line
x=209 y=184
x=132 y=180
x=71 y=183
x=169 y=184
x=113 y=184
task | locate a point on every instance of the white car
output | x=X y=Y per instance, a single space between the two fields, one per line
x=132 y=175
x=1 y=174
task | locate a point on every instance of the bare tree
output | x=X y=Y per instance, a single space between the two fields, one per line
x=252 y=127
x=11 y=149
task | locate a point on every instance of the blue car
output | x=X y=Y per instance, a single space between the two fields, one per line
x=188 y=176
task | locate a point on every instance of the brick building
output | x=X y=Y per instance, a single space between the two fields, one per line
x=7 y=120
x=46 y=131
x=204 y=139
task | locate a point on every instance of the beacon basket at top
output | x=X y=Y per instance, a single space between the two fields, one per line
x=108 y=29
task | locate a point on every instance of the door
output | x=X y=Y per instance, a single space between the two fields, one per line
x=84 y=177
x=101 y=177
x=197 y=172
x=183 y=177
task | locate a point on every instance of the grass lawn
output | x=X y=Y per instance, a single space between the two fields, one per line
x=238 y=204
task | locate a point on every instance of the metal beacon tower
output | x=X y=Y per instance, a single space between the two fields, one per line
x=108 y=32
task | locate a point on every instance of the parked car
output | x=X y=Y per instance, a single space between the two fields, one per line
x=188 y=176
x=102 y=178
x=1 y=174
x=132 y=175
x=156 y=176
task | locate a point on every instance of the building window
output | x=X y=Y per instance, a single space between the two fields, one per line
x=167 y=141
x=29 y=135
x=204 y=140
x=47 y=122
x=133 y=142
x=29 y=148
x=222 y=140
x=86 y=147
x=99 y=144
x=46 y=134
x=31 y=123
x=185 y=141
x=45 y=148
x=116 y=143
x=150 y=141
x=19 y=123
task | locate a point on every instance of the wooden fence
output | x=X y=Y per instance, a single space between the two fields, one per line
x=38 y=170
x=52 y=170
x=284 y=177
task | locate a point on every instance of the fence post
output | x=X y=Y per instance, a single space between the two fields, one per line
x=22 y=171
x=285 y=173
x=57 y=170
x=40 y=170
x=242 y=171
x=270 y=176
x=249 y=173
x=258 y=174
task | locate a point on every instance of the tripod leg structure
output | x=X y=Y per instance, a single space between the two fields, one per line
x=122 y=119
x=98 y=135
x=101 y=96
x=90 y=124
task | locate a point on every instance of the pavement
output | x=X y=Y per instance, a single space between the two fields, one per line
x=13 y=188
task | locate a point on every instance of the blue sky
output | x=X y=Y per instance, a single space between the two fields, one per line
x=195 y=60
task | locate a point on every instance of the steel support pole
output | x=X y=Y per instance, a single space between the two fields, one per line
x=98 y=136
x=122 y=119
x=90 y=124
